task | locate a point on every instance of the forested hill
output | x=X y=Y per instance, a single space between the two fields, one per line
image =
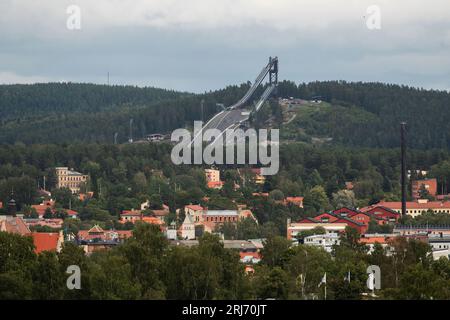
x=31 y=101
x=369 y=113
x=361 y=114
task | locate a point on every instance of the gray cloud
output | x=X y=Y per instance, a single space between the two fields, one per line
x=199 y=45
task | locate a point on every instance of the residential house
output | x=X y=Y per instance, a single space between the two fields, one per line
x=325 y=241
x=44 y=241
x=428 y=184
x=297 y=201
x=415 y=208
x=97 y=239
x=14 y=225
x=213 y=179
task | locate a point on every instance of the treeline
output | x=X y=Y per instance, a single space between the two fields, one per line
x=26 y=102
x=147 y=267
x=373 y=111
x=368 y=114
x=68 y=113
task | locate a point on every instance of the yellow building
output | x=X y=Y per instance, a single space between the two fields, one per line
x=212 y=175
x=69 y=179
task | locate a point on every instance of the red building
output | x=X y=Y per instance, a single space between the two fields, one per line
x=384 y=214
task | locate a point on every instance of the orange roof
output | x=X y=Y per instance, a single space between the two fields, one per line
x=131 y=212
x=415 y=205
x=152 y=220
x=194 y=207
x=372 y=240
x=260 y=194
x=41 y=208
x=95 y=229
x=160 y=213
x=45 y=241
x=294 y=199
x=14 y=225
x=70 y=212
x=215 y=184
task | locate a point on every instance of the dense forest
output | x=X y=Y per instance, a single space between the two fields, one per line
x=361 y=114
x=147 y=267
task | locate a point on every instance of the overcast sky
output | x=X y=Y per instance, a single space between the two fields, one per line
x=200 y=45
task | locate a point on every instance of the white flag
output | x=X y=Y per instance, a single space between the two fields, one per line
x=324 y=280
x=347 y=277
x=371 y=281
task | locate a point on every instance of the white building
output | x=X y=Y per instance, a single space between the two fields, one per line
x=325 y=241
x=171 y=232
x=188 y=228
x=440 y=246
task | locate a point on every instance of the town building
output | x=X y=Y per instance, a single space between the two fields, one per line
x=50 y=223
x=155 y=137
x=42 y=241
x=370 y=240
x=208 y=220
x=49 y=205
x=69 y=179
x=427 y=230
x=440 y=246
x=383 y=214
x=249 y=250
x=171 y=232
x=294 y=228
x=97 y=239
x=415 y=208
x=188 y=228
x=428 y=184
x=212 y=175
x=48 y=241
x=133 y=216
x=14 y=225
x=213 y=179
x=325 y=241
x=296 y=201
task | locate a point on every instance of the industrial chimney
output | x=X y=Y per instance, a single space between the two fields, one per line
x=403 y=152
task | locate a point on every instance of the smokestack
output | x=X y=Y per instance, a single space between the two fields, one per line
x=403 y=151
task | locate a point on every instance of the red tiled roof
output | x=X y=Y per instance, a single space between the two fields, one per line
x=131 y=212
x=70 y=212
x=41 y=208
x=45 y=241
x=95 y=229
x=373 y=240
x=160 y=213
x=260 y=194
x=294 y=199
x=214 y=184
x=194 y=207
x=152 y=220
x=14 y=225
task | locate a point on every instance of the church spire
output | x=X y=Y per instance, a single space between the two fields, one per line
x=12 y=205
